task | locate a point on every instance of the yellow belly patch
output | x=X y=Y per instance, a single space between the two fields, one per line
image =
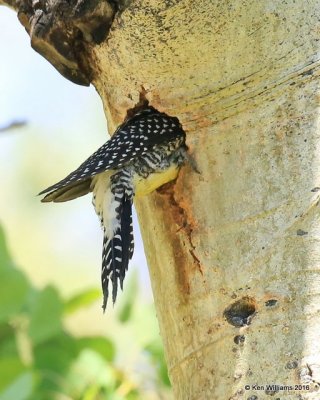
x=145 y=186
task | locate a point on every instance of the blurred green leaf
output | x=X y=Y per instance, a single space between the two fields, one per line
x=52 y=360
x=20 y=389
x=60 y=365
x=101 y=345
x=45 y=315
x=5 y=259
x=133 y=395
x=81 y=300
x=10 y=368
x=14 y=285
x=56 y=354
x=127 y=304
x=14 y=289
x=8 y=346
x=155 y=350
x=92 y=393
x=5 y=331
x=90 y=369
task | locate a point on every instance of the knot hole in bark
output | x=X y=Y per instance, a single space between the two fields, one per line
x=241 y=312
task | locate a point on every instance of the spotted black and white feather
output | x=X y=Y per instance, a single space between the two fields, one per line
x=145 y=152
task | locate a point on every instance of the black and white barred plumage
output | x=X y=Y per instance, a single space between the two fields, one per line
x=145 y=152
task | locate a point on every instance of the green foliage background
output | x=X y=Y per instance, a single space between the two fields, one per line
x=41 y=360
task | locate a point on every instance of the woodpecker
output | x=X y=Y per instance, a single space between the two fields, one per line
x=145 y=152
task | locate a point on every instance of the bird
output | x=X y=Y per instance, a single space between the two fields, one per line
x=145 y=152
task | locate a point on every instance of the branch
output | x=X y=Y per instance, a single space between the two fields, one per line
x=13 y=125
x=13 y=4
x=62 y=30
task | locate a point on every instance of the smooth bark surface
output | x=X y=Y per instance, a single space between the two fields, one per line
x=237 y=244
x=233 y=251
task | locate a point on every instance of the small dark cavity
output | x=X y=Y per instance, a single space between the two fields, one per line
x=292 y=364
x=271 y=392
x=306 y=73
x=271 y=303
x=316 y=189
x=301 y=232
x=100 y=32
x=239 y=339
x=254 y=397
x=241 y=312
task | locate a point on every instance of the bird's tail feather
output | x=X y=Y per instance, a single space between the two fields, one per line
x=126 y=238
x=69 y=192
x=117 y=251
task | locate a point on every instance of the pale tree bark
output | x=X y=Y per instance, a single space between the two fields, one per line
x=233 y=251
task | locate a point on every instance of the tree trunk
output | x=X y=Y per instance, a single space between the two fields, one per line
x=233 y=251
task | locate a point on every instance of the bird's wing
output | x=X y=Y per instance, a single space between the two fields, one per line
x=133 y=138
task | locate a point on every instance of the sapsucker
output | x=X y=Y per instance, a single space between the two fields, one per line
x=144 y=153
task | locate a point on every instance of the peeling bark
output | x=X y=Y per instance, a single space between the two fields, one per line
x=233 y=251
